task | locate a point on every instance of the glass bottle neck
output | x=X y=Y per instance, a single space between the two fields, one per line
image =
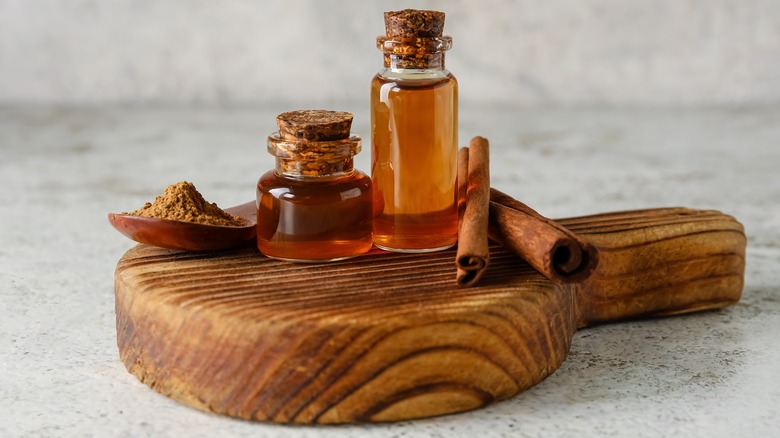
x=432 y=62
x=303 y=169
x=413 y=53
x=300 y=158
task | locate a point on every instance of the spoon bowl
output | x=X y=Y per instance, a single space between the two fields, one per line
x=189 y=236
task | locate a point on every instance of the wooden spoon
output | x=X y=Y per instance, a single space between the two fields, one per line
x=189 y=236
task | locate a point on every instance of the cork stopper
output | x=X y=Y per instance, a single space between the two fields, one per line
x=314 y=143
x=413 y=23
x=314 y=125
x=414 y=39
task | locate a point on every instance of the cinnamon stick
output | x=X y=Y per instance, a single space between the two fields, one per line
x=473 y=256
x=463 y=182
x=550 y=248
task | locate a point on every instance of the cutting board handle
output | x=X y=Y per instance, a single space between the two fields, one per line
x=659 y=262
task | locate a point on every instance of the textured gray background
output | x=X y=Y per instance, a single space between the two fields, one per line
x=558 y=52
x=120 y=98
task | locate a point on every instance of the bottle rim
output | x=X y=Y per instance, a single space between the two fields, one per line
x=413 y=46
x=308 y=150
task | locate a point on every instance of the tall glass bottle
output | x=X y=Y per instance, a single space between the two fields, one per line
x=414 y=136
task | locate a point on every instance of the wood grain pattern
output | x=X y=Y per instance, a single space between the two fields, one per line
x=389 y=336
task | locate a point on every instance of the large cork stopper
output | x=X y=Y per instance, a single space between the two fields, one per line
x=414 y=39
x=413 y=23
x=314 y=142
x=314 y=125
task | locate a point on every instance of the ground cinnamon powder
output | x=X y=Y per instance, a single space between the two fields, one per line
x=182 y=202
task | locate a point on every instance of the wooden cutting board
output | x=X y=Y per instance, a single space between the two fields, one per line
x=389 y=336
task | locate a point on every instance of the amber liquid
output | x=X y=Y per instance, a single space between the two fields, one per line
x=314 y=220
x=414 y=147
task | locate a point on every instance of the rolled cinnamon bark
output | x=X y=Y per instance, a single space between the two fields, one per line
x=473 y=256
x=550 y=248
x=463 y=182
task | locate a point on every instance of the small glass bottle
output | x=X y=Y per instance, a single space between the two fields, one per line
x=414 y=138
x=314 y=206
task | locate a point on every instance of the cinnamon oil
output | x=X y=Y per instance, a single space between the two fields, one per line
x=414 y=155
x=324 y=219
